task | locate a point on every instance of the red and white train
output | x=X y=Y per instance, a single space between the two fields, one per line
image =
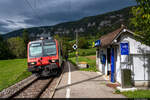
x=45 y=57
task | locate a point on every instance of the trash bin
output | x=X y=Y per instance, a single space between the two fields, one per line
x=126 y=78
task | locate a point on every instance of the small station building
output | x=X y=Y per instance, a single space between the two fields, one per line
x=120 y=50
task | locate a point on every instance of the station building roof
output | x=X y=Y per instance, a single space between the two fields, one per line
x=110 y=37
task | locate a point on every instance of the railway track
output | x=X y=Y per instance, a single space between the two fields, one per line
x=34 y=89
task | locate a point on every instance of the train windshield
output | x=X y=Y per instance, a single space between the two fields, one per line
x=49 y=48
x=35 y=50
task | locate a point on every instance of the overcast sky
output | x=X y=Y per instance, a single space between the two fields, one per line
x=16 y=14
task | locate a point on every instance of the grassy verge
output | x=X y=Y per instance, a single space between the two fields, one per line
x=12 y=71
x=137 y=94
x=84 y=52
x=91 y=62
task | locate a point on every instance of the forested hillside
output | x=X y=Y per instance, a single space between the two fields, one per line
x=92 y=25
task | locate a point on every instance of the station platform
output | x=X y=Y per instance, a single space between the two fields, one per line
x=83 y=84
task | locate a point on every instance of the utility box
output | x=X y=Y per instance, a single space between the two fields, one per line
x=126 y=78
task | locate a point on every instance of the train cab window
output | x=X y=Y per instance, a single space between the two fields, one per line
x=49 y=48
x=35 y=50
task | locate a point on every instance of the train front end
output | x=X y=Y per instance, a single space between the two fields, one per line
x=43 y=57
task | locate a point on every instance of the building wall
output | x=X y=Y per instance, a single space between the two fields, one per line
x=102 y=68
x=136 y=47
x=97 y=58
x=118 y=70
x=98 y=63
x=139 y=60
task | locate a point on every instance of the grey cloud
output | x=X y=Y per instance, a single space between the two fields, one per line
x=16 y=14
x=10 y=21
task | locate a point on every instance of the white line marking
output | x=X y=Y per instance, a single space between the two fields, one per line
x=69 y=74
x=68 y=93
x=69 y=82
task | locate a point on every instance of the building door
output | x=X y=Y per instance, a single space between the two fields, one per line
x=112 y=65
x=108 y=61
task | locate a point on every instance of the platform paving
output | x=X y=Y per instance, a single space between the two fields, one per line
x=83 y=84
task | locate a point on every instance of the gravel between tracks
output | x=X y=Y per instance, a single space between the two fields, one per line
x=50 y=91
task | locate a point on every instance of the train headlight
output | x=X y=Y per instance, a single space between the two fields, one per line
x=31 y=63
x=54 y=61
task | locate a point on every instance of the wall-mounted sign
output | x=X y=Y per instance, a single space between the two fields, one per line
x=93 y=44
x=97 y=43
x=124 y=47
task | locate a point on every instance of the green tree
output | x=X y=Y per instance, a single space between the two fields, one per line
x=64 y=41
x=57 y=37
x=4 y=52
x=141 y=20
x=83 y=43
x=65 y=45
x=1 y=38
x=25 y=37
x=17 y=46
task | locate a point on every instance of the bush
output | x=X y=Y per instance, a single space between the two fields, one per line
x=83 y=53
x=117 y=91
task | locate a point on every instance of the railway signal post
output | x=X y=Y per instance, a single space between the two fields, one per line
x=75 y=48
x=76 y=31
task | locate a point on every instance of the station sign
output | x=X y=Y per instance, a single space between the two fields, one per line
x=124 y=47
x=97 y=43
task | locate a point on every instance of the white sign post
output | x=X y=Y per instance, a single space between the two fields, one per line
x=75 y=46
